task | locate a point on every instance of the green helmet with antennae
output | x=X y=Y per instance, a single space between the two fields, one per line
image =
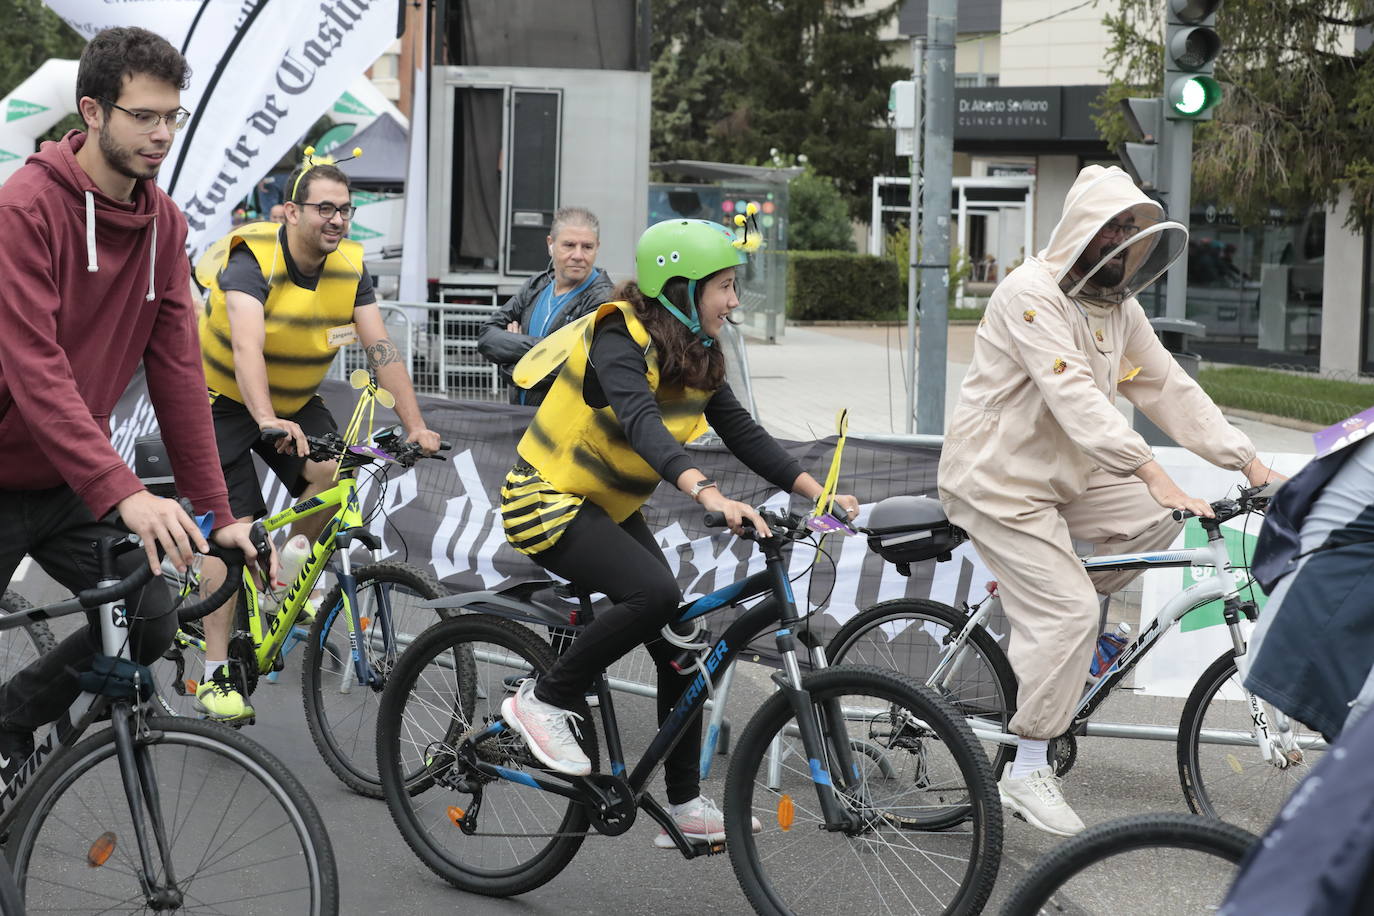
x=689 y=248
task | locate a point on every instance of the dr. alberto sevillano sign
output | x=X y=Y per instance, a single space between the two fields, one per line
x=1011 y=113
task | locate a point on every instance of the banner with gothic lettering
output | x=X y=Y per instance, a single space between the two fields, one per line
x=445 y=515
x=262 y=72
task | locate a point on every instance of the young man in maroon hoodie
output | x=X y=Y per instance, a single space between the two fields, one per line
x=97 y=281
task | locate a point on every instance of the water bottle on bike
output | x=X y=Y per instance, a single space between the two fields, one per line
x=293 y=557
x=1109 y=646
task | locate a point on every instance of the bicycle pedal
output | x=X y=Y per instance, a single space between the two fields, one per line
x=715 y=849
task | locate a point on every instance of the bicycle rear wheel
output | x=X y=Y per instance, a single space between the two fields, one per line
x=1223 y=772
x=341 y=713
x=242 y=834
x=911 y=753
x=21 y=647
x=523 y=836
x=911 y=636
x=1083 y=875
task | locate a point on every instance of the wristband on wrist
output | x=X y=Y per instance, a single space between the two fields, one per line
x=701 y=485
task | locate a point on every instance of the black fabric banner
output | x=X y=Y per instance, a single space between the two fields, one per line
x=445 y=515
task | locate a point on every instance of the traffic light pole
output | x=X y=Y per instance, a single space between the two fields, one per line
x=938 y=173
x=1178 y=143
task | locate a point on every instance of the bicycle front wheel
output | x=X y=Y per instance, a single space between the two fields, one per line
x=894 y=755
x=341 y=713
x=485 y=835
x=912 y=636
x=240 y=833
x=1083 y=875
x=1223 y=771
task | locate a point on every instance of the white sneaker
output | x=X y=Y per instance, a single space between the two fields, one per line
x=547 y=731
x=701 y=822
x=1039 y=800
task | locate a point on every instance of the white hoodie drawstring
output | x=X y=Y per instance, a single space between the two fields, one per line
x=152 y=261
x=91 y=266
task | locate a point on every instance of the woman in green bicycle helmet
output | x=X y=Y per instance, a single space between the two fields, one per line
x=641 y=378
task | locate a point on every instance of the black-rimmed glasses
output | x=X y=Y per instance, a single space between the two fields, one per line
x=327 y=209
x=147 y=121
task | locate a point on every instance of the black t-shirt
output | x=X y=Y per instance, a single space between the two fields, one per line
x=242 y=274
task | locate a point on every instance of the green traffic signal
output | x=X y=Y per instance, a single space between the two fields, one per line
x=1192 y=96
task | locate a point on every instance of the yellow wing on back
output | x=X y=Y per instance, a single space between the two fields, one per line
x=551 y=352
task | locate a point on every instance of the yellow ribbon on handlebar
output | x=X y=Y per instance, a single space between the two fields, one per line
x=832 y=477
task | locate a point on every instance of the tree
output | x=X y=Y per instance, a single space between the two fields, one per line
x=1296 y=114
x=31 y=33
x=734 y=79
x=818 y=216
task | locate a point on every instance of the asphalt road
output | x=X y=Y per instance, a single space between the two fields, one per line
x=627 y=874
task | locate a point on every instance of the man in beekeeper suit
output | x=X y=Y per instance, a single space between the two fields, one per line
x=1037 y=455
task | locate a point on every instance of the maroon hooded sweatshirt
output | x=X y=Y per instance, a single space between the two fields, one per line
x=89 y=287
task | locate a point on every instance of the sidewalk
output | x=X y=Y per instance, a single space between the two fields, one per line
x=802 y=382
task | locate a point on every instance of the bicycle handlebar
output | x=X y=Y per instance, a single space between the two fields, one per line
x=1251 y=499
x=232 y=557
x=788 y=525
x=331 y=446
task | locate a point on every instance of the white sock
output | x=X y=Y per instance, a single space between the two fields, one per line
x=1030 y=756
x=212 y=667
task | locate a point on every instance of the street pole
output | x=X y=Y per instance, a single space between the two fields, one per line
x=938 y=174
x=1178 y=140
x=913 y=229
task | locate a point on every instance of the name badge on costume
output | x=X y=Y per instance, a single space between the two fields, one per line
x=341 y=336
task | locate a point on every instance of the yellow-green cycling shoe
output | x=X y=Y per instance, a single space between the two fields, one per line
x=220 y=700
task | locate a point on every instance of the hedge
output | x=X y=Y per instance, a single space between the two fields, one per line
x=838 y=285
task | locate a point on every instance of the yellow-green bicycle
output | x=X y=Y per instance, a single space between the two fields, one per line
x=363 y=624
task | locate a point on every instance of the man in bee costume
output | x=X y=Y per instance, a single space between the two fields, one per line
x=1037 y=455
x=282 y=300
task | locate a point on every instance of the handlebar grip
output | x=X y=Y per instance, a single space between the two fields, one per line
x=714 y=519
x=271 y=434
x=1182 y=514
x=445 y=445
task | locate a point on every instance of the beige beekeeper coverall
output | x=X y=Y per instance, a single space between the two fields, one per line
x=1037 y=455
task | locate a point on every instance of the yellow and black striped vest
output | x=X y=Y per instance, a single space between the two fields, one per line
x=297 y=320
x=583 y=451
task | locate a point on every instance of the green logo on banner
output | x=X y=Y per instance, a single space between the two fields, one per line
x=363 y=198
x=6 y=155
x=347 y=104
x=1240 y=546
x=361 y=233
x=18 y=108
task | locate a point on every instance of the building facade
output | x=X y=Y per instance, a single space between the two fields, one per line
x=1294 y=290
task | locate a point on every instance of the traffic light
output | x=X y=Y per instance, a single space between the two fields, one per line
x=1191 y=47
x=1143 y=160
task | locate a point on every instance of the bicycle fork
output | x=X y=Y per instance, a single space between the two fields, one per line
x=1279 y=748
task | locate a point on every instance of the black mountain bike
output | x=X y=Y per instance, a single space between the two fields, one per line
x=155 y=813
x=872 y=793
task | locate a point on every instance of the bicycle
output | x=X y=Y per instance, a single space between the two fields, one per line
x=342 y=675
x=1068 y=879
x=952 y=652
x=858 y=756
x=207 y=818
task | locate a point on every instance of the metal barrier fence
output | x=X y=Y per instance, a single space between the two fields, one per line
x=438 y=343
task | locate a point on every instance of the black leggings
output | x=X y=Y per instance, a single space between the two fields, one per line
x=624 y=563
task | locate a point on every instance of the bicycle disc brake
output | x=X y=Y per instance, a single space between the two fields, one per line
x=615 y=810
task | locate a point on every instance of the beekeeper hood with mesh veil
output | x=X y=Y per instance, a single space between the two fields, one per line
x=1062 y=335
x=1112 y=241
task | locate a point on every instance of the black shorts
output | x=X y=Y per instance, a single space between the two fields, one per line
x=236 y=435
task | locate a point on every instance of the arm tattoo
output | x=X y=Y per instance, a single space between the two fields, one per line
x=381 y=353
